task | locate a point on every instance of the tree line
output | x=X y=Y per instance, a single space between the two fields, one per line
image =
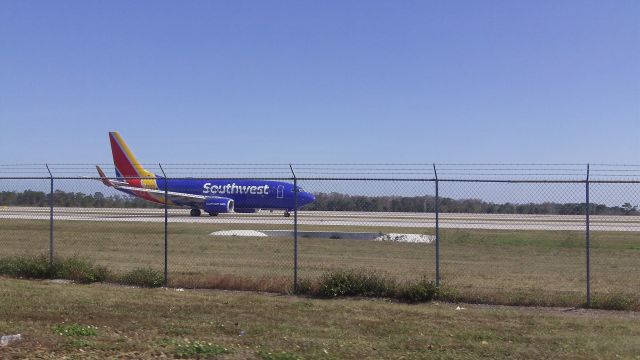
x=344 y=202
x=334 y=202
x=72 y=199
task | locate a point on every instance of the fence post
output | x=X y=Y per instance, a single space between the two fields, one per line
x=166 y=233
x=295 y=230
x=588 y=240
x=437 y=213
x=51 y=243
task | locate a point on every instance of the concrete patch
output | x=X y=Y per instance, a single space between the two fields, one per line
x=336 y=235
x=409 y=238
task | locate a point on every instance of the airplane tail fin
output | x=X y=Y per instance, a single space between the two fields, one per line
x=127 y=166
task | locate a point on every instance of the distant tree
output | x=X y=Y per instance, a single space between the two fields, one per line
x=98 y=199
x=629 y=209
x=335 y=202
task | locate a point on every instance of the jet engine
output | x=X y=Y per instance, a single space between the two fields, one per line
x=216 y=205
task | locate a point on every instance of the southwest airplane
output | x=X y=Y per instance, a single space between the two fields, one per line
x=212 y=196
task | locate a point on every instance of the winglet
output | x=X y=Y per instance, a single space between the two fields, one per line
x=103 y=177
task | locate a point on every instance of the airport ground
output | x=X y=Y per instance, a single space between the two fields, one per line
x=498 y=266
x=340 y=218
x=106 y=321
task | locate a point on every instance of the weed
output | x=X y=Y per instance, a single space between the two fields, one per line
x=79 y=270
x=145 y=277
x=449 y=294
x=421 y=291
x=354 y=283
x=73 y=330
x=200 y=349
x=38 y=267
x=304 y=287
x=33 y=267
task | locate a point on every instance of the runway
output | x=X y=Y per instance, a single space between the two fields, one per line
x=337 y=219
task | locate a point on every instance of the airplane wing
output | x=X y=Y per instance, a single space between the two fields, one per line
x=171 y=195
x=176 y=197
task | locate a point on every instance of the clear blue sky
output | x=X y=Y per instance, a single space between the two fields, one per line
x=321 y=81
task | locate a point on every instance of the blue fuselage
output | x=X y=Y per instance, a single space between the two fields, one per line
x=247 y=194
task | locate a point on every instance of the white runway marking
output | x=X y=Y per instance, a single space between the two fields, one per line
x=336 y=219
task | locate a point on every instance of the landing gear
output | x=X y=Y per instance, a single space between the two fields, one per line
x=213 y=214
x=195 y=212
x=287 y=214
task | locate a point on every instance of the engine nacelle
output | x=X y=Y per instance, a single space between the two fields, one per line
x=218 y=205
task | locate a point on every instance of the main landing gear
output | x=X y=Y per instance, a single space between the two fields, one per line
x=197 y=212
x=286 y=213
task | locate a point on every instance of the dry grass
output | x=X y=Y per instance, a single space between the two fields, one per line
x=138 y=323
x=232 y=282
x=496 y=266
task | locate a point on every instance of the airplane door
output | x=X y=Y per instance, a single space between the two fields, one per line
x=280 y=191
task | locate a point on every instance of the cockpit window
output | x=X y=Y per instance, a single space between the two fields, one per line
x=300 y=189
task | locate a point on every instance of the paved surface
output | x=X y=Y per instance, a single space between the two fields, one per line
x=334 y=218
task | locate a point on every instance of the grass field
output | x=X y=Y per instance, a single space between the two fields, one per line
x=107 y=321
x=492 y=266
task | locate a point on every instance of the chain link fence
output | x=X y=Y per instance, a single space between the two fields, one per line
x=510 y=252
x=615 y=243
x=494 y=239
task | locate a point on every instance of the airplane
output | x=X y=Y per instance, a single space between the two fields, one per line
x=211 y=196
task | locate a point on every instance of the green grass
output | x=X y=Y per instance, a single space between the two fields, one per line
x=73 y=330
x=493 y=266
x=154 y=323
x=200 y=349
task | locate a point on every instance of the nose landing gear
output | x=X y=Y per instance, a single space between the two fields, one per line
x=195 y=212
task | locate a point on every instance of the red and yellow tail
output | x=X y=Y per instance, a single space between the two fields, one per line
x=127 y=166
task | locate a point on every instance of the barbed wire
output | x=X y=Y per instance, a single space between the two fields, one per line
x=481 y=171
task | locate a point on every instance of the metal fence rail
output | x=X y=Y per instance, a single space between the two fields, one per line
x=494 y=237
